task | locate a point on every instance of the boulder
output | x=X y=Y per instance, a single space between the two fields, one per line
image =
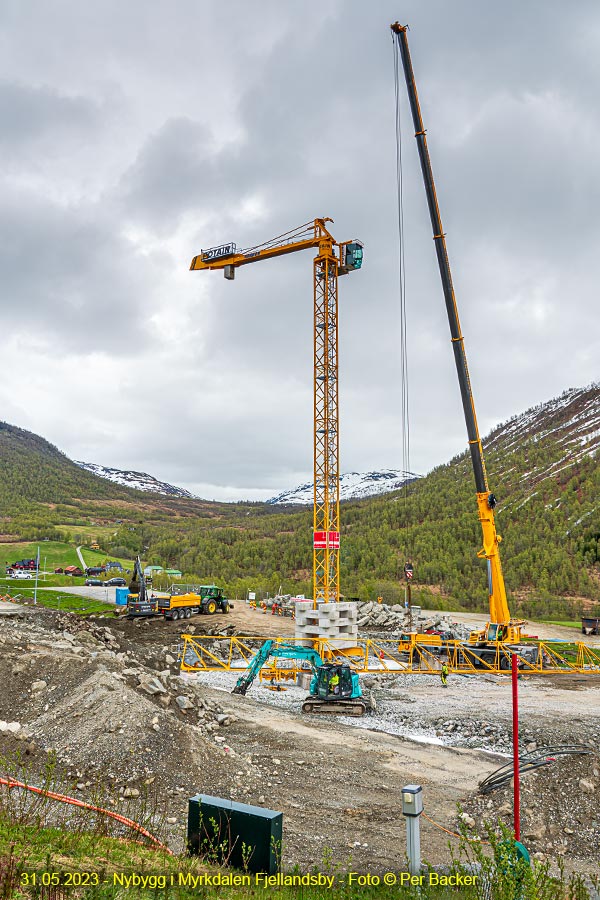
x=184 y=702
x=151 y=685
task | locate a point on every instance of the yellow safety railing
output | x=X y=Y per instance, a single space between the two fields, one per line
x=381 y=656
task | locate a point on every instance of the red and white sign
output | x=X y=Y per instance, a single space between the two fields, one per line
x=320 y=540
x=334 y=540
x=324 y=539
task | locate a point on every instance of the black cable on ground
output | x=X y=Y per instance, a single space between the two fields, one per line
x=530 y=761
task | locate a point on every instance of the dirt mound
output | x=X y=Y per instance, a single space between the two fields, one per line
x=119 y=728
x=560 y=812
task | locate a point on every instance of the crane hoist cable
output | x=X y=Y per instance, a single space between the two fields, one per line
x=405 y=411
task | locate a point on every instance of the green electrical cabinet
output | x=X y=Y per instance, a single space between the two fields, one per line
x=235 y=834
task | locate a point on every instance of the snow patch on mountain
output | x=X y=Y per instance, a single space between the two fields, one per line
x=353 y=486
x=141 y=481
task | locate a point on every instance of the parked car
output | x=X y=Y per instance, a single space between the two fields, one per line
x=94 y=582
x=21 y=575
x=115 y=582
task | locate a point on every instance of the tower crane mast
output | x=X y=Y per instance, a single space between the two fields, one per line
x=332 y=260
x=500 y=626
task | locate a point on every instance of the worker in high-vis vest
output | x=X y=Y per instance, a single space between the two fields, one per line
x=444 y=675
x=334 y=683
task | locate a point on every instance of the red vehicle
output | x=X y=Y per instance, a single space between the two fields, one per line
x=24 y=564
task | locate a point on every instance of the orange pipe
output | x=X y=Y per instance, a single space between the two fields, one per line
x=73 y=801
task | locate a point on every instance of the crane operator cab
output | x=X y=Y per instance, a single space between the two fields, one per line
x=351 y=257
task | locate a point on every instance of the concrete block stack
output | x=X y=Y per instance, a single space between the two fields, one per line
x=336 y=622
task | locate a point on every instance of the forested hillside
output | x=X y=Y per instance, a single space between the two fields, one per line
x=41 y=488
x=35 y=470
x=542 y=465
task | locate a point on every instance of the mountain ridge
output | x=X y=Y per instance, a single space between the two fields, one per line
x=140 y=481
x=353 y=486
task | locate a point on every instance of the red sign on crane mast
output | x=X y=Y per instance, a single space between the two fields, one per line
x=326 y=539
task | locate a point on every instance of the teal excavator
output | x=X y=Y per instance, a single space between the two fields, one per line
x=334 y=687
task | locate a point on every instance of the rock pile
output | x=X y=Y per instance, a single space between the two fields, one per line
x=560 y=816
x=121 y=724
x=395 y=619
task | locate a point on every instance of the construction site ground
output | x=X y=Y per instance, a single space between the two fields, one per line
x=105 y=694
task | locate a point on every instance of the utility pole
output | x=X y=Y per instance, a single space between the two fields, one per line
x=37 y=573
x=408 y=574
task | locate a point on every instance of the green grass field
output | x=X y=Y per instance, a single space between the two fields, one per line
x=56 y=554
x=52 y=554
x=85 y=606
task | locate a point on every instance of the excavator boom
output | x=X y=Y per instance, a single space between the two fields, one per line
x=268 y=649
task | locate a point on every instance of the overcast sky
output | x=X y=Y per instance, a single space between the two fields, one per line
x=134 y=134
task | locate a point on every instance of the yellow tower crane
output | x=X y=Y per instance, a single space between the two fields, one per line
x=332 y=259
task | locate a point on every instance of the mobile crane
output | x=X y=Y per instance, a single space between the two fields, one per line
x=501 y=627
x=348 y=699
x=332 y=259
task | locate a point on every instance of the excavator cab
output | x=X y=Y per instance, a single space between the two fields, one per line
x=333 y=682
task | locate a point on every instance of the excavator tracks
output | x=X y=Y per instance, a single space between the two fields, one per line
x=337 y=707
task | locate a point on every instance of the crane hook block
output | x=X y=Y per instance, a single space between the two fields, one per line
x=492 y=501
x=229 y=272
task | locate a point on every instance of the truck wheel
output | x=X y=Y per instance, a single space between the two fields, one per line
x=188 y=613
x=175 y=615
x=211 y=607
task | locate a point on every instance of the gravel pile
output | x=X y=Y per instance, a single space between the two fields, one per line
x=135 y=732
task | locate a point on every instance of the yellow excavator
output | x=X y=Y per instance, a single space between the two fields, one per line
x=501 y=627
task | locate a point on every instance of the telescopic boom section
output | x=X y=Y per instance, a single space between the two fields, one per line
x=499 y=612
x=332 y=259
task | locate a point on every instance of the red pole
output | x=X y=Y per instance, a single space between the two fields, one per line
x=515 y=710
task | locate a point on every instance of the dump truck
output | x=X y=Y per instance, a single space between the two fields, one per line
x=203 y=598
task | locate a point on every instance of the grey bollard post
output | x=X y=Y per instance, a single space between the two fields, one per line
x=412 y=807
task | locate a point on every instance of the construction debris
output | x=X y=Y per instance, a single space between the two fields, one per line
x=398 y=619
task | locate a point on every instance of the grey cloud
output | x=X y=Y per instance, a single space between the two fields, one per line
x=69 y=277
x=29 y=113
x=288 y=111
